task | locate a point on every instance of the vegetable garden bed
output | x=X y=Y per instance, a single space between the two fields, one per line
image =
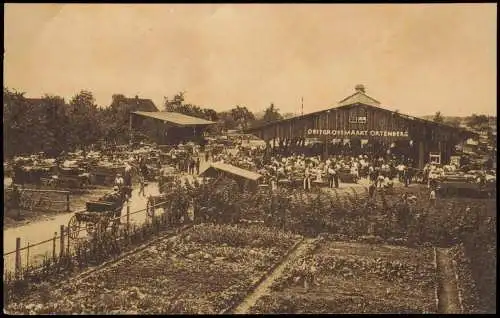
x=205 y=270
x=355 y=278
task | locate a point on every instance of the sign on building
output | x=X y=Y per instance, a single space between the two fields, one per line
x=345 y=133
x=435 y=157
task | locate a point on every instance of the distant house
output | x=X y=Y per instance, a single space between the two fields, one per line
x=135 y=103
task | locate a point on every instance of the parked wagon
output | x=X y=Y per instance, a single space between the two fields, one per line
x=465 y=185
x=106 y=174
x=96 y=219
x=72 y=177
x=32 y=174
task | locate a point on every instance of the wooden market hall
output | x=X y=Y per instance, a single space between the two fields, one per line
x=359 y=125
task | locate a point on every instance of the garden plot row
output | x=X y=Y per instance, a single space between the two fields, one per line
x=206 y=269
x=354 y=278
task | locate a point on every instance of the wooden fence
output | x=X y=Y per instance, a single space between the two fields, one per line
x=43 y=199
x=19 y=262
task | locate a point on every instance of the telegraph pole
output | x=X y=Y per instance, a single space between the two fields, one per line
x=302 y=102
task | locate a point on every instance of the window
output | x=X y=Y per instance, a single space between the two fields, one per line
x=435 y=158
x=362 y=120
x=357 y=116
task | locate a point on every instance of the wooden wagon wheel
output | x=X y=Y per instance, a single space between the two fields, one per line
x=115 y=226
x=102 y=226
x=74 y=226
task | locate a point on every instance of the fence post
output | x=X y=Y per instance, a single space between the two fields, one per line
x=67 y=202
x=61 y=242
x=68 y=235
x=28 y=255
x=153 y=208
x=18 y=256
x=54 y=246
x=128 y=216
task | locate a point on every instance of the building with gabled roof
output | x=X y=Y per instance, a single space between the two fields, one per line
x=169 y=127
x=361 y=121
x=359 y=97
x=134 y=103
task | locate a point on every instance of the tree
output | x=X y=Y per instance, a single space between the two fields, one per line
x=210 y=114
x=57 y=123
x=271 y=114
x=478 y=121
x=175 y=103
x=438 y=117
x=85 y=127
x=242 y=116
x=454 y=122
x=226 y=121
x=16 y=124
x=33 y=125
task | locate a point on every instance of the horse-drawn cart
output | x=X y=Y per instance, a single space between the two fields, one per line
x=98 y=216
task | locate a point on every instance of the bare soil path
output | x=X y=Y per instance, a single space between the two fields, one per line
x=263 y=288
x=448 y=292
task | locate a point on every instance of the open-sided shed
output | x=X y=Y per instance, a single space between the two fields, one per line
x=169 y=127
x=244 y=178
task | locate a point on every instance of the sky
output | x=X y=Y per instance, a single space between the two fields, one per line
x=416 y=58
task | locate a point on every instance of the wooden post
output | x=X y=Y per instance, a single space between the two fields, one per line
x=67 y=202
x=128 y=216
x=18 y=257
x=54 y=246
x=61 y=242
x=28 y=255
x=421 y=155
x=68 y=235
x=153 y=210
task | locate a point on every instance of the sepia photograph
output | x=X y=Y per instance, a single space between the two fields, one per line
x=249 y=158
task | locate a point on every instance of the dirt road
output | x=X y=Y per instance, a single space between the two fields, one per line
x=43 y=230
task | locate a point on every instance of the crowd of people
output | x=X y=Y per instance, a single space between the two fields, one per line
x=330 y=171
x=277 y=169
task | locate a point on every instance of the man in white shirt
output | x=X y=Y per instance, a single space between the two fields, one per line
x=307 y=178
x=400 y=168
x=432 y=197
x=331 y=174
x=355 y=170
x=119 y=181
x=380 y=180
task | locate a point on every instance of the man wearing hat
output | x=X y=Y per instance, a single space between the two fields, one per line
x=114 y=196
